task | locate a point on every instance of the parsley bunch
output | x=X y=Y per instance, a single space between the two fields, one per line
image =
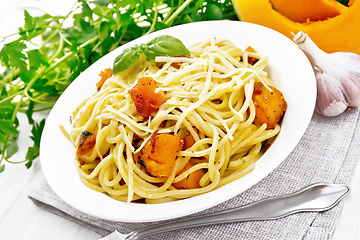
x=34 y=77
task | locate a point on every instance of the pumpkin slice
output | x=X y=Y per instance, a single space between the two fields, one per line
x=339 y=33
x=308 y=10
x=159 y=154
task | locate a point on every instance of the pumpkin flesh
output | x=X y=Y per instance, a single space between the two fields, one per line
x=339 y=33
x=308 y=10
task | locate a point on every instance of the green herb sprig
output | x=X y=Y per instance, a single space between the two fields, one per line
x=35 y=77
x=160 y=46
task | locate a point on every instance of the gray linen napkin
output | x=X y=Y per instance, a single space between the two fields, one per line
x=328 y=152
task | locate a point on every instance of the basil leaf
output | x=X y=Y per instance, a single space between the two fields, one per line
x=127 y=59
x=161 y=46
x=165 y=46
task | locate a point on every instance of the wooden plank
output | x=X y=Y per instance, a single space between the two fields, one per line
x=24 y=220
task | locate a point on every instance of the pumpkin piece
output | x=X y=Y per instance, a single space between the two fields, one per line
x=251 y=60
x=159 y=154
x=192 y=180
x=105 y=75
x=146 y=100
x=86 y=142
x=339 y=33
x=270 y=106
x=189 y=140
x=308 y=10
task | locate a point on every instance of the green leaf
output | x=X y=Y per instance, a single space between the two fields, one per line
x=36 y=59
x=74 y=46
x=165 y=46
x=29 y=164
x=127 y=59
x=86 y=10
x=88 y=31
x=29 y=112
x=29 y=21
x=74 y=64
x=103 y=2
x=8 y=136
x=2 y=168
x=37 y=131
x=43 y=86
x=45 y=20
x=27 y=75
x=6 y=110
x=105 y=30
x=31 y=29
x=7 y=127
x=129 y=3
x=213 y=12
x=107 y=44
x=12 y=55
x=33 y=152
x=12 y=146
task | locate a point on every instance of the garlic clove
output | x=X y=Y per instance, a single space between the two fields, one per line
x=351 y=84
x=337 y=75
x=330 y=99
x=349 y=76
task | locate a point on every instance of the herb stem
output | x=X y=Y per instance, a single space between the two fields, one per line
x=177 y=12
x=52 y=35
x=11 y=96
x=64 y=38
x=11 y=74
x=36 y=99
x=152 y=27
x=70 y=54
x=12 y=162
x=60 y=48
x=42 y=109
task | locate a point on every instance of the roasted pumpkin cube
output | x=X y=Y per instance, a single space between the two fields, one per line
x=191 y=181
x=270 y=106
x=86 y=142
x=159 y=154
x=146 y=100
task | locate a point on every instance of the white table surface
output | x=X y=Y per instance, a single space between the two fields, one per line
x=21 y=219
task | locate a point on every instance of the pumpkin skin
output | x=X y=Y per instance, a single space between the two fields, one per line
x=339 y=33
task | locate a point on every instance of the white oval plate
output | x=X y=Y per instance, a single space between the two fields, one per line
x=289 y=69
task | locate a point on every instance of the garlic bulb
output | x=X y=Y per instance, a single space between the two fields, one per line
x=337 y=75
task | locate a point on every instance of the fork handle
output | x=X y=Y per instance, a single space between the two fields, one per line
x=316 y=197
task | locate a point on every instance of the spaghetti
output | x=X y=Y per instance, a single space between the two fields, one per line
x=202 y=134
